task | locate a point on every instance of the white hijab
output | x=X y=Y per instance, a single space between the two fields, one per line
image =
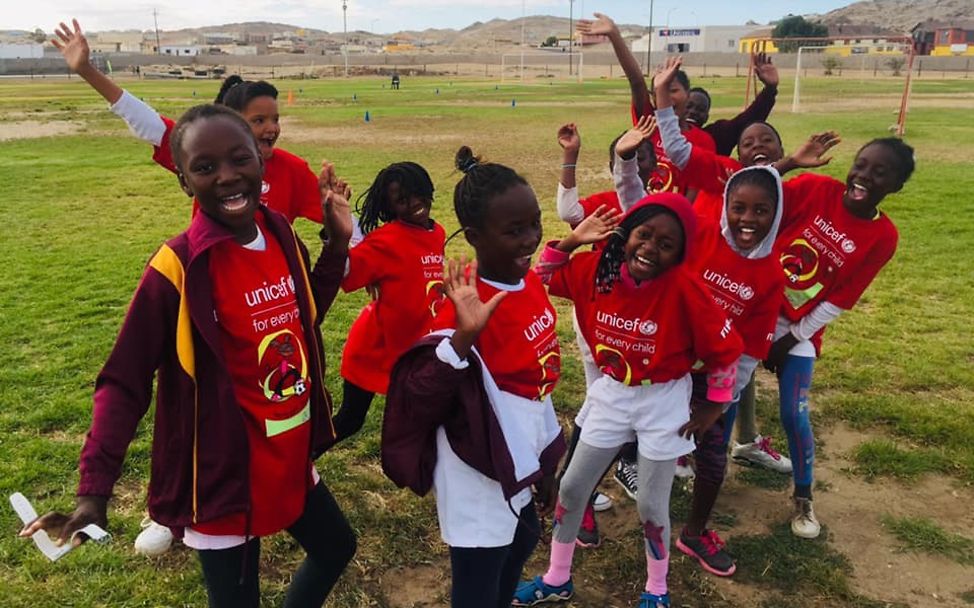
x=764 y=248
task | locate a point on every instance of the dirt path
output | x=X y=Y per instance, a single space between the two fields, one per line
x=849 y=506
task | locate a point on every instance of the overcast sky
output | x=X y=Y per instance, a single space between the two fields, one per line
x=390 y=15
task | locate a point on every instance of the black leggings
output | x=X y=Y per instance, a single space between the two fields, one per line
x=351 y=415
x=231 y=575
x=486 y=577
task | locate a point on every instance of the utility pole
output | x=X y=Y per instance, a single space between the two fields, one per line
x=571 y=32
x=649 y=42
x=345 y=29
x=155 y=19
x=523 y=15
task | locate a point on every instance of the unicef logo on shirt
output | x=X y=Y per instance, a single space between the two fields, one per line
x=848 y=246
x=647 y=328
x=745 y=292
x=264 y=187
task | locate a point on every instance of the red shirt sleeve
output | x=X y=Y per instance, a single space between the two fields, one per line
x=707 y=171
x=802 y=194
x=367 y=261
x=162 y=153
x=307 y=196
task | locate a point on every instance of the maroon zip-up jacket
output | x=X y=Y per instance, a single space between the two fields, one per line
x=424 y=394
x=200 y=452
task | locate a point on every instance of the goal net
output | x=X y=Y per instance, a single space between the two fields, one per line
x=538 y=67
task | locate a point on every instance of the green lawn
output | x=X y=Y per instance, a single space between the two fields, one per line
x=80 y=214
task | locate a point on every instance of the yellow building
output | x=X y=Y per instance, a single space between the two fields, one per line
x=758 y=42
x=954 y=41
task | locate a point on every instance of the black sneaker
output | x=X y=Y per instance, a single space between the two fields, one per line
x=708 y=549
x=627 y=476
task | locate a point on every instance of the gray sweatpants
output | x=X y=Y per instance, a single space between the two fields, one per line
x=655 y=482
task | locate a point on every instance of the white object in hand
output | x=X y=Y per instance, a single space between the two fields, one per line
x=47 y=546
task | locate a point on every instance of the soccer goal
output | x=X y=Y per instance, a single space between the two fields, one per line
x=836 y=57
x=539 y=67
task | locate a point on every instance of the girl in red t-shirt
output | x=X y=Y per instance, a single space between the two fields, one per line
x=648 y=319
x=830 y=253
x=288 y=185
x=401 y=261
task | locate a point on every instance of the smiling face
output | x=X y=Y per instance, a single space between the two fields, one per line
x=510 y=235
x=698 y=108
x=653 y=247
x=411 y=209
x=265 y=122
x=750 y=213
x=221 y=167
x=874 y=174
x=759 y=145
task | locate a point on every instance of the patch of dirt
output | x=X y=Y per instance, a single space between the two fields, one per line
x=419 y=587
x=32 y=129
x=294 y=131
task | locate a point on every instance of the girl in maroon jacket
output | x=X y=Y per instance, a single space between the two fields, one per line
x=227 y=316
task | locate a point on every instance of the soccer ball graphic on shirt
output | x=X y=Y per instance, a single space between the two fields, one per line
x=279 y=356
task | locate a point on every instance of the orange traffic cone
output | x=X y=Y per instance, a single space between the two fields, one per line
x=290 y=98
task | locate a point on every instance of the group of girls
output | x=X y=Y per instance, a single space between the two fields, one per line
x=673 y=307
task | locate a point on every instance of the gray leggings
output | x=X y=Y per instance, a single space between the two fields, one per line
x=655 y=482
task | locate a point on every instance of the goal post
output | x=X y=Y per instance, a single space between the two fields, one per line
x=529 y=66
x=891 y=46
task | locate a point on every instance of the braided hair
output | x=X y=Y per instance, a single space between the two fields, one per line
x=237 y=93
x=609 y=269
x=481 y=182
x=905 y=159
x=199 y=113
x=374 y=206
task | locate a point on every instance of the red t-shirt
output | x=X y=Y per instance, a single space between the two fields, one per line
x=667 y=177
x=406 y=263
x=266 y=353
x=289 y=186
x=654 y=332
x=746 y=290
x=708 y=172
x=609 y=199
x=827 y=253
x=519 y=345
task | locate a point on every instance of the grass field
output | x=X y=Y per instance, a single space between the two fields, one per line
x=82 y=207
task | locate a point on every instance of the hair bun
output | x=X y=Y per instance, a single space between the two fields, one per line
x=465 y=159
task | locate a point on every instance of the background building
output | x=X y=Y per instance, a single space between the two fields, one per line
x=702 y=39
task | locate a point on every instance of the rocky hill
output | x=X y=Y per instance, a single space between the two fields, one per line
x=899 y=15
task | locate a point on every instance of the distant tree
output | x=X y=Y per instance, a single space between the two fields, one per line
x=795 y=26
x=831 y=63
x=896 y=64
x=550 y=41
x=39 y=36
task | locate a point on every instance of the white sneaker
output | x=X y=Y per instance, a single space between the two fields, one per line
x=154 y=539
x=804 y=524
x=684 y=469
x=602 y=502
x=761 y=454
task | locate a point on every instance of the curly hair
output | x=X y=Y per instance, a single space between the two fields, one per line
x=609 y=268
x=374 y=206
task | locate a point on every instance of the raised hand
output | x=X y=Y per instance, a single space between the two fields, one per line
x=460 y=286
x=811 y=153
x=666 y=72
x=597 y=226
x=602 y=25
x=568 y=138
x=73 y=46
x=766 y=71
x=335 y=209
x=634 y=137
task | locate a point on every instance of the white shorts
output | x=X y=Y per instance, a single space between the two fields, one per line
x=653 y=414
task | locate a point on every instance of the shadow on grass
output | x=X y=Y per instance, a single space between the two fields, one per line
x=797 y=568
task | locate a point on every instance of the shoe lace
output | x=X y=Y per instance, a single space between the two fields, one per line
x=711 y=542
x=765 y=446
